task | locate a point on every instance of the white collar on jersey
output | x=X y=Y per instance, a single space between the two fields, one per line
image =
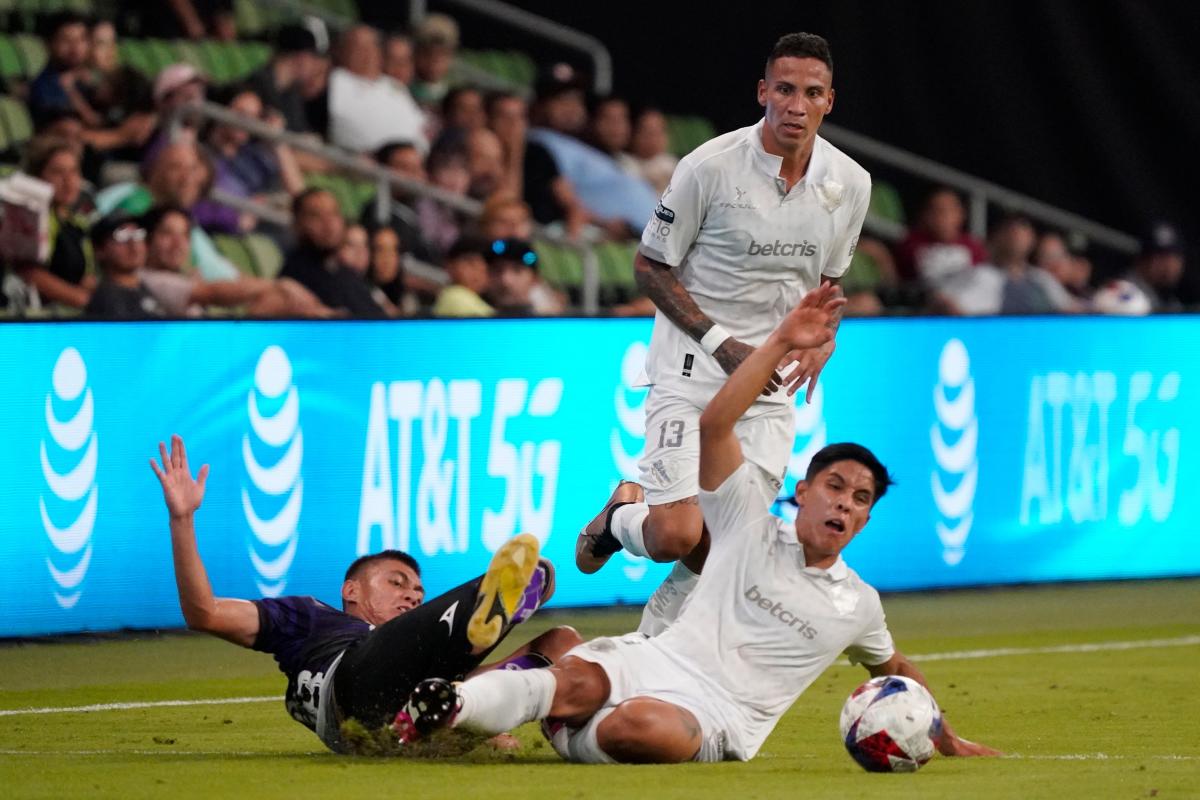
x=838 y=571
x=770 y=164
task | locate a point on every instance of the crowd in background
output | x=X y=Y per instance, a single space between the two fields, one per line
x=139 y=192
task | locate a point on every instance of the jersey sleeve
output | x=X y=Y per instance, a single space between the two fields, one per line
x=842 y=250
x=874 y=644
x=734 y=506
x=676 y=220
x=280 y=621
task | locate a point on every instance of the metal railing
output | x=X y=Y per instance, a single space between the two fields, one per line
x=386 y=181
x=593 y=48
x=980 y=192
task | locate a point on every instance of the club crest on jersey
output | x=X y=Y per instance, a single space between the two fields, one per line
x=664 y=213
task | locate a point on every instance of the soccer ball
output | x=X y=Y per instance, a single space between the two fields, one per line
x=890 y=724
x=1122 y=298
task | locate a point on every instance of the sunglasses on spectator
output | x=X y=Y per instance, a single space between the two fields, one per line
x=515 y=250
x=129 y=234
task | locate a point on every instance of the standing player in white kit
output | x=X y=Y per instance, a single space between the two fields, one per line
x=751 y=221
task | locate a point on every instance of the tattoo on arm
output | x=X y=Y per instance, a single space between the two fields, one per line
x=687 y=501
x=662 y=286
x=835 y=319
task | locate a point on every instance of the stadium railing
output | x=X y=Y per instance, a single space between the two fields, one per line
x=386 y=181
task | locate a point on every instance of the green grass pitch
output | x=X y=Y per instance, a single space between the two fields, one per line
x=1078 y=713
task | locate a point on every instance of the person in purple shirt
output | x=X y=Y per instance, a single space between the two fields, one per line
x=362 y=661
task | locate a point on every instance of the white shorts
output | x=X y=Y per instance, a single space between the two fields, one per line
x=638 y=667
x=670 y=464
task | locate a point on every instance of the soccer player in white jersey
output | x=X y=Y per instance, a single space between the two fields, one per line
x=775 y=606
x=751 y=221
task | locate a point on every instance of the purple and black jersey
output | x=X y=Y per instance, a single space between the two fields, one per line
x=305 y=636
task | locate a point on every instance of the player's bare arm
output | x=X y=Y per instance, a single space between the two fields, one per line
x=805 y=327
x=951 y=744
x=662 y=286
x=809 y=363
x=233 y=620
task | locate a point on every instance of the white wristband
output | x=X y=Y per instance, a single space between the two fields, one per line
x=715 y=337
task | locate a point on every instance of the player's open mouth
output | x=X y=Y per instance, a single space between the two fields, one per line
x=794 y=127
x=835 y=525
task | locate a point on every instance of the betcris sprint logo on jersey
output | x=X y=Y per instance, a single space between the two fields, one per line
x=273 y=452
x=69 y=454
x=782 y=249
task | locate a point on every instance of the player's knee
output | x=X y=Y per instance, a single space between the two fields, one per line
x=581 y=689
x=649 y=731
x=673 y=533
x=557 y=642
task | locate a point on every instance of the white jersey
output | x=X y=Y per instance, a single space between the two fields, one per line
x=745 y=247
x=760 y=626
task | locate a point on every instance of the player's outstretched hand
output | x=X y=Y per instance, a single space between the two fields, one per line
x=808 y=329
x=182 y=493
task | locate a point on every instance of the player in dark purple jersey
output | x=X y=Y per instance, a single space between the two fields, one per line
x=361 y=662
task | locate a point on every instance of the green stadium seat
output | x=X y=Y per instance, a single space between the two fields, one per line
x=618 y=283
x=561 y=267
x=14 y=117
x=268 y=258
x=886 y=202
x=688 y=133
x=11 y=67
x=249 y=18
x=188 y=52
x=33 y=54
x=162 y=54
x=233 y=248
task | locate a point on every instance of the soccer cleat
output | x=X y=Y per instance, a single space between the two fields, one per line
x=504 y=597
x=433 y=704
x=596 y=544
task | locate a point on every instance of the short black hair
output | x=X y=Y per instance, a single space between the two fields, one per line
x=849 y=451
x=299 y=200
x=384 y=154
x=362 y=562
x=155 y=216
x=801 y=45
x=62 y=19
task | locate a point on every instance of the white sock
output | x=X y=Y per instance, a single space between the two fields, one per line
x=583 y=748
x=626 y=527
x=500 y=700
x=664 y=606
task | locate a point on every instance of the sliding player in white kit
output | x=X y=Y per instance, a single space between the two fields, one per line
x=751 y=221
x=775 y=606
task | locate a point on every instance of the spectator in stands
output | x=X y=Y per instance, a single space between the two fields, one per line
x=246 y=167
x=367 y=109
x=119 y=92
x=168 y=257
x=561 y=103
x=512 y=276
x=468 y=271
x=448 y=171
x=650 y=157
x=531 y=171
x=1074 y=274
x=1158 y=270
x=506 y=216
x=177 y=86
x=485 y=162
x=64 y=278
x=176 y=177
x=314 y=263
x=403 y=159
x=281 y=83
x=119 y=243
x=939 y=246
x=386 y=272
x=462 y=108
x=398 y=59
x=1010 y=284
x=355 y=251
x=609 y=129
x=63 y=83
x=436 y=46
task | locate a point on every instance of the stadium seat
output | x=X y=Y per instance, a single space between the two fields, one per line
x=11 y=67
x=688 y=133
x=14 y=118
x=617 y=281
x=233 y=248
x=561 y=267
x=33 y=54
x=351 y=194
x=267 y=257
x=886 y=202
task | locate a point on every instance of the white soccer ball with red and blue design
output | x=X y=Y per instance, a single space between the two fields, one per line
x=891 y=724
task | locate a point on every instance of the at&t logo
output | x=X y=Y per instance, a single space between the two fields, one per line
x=955 y=439
x=69 y=454
x=278 y=489
x=631 y=422
x=811 y=436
